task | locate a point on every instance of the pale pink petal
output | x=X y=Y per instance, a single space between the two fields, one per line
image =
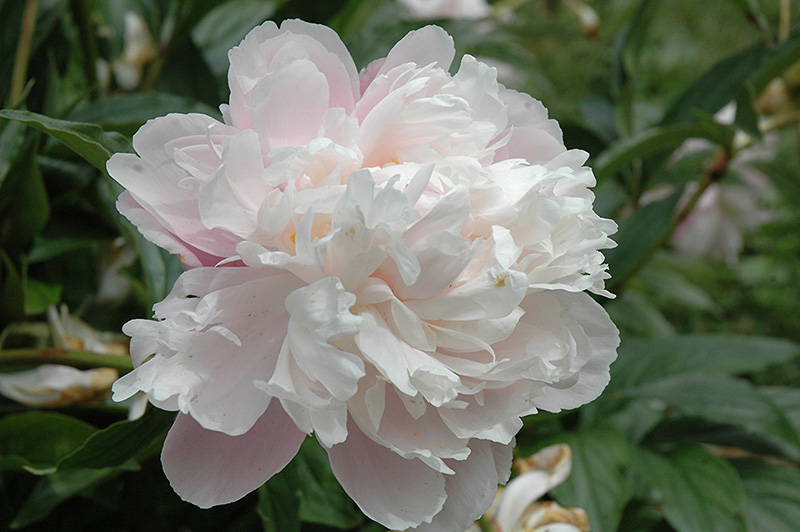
x=339 y=81
x=224 y=331
x=598 y=338
x=496 y=417
x=472 y=488
x=533 y=145
x=423 y=436
x=208 y=468
x=320 y=315
x=162 y=186
x=156 y=233
x=430 y=45
x=397 y=492
x=289 y=105
x=231 y=197
x=412 y=371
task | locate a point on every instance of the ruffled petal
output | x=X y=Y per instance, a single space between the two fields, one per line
x=224 y=330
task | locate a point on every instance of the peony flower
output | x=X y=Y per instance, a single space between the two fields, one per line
x=393 y=260
x=452 y=9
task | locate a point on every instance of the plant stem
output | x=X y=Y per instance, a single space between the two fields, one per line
x=785 y=20
x=714 y=173
x=23 y=56
x=76 y=359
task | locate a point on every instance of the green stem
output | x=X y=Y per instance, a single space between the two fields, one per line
x=486 y=524
x=20 y=73
x=785 y=20
x=717 y=170
x=76 y=359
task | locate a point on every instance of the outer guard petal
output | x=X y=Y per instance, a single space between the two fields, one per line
x=471 y=490
x=208 y=468
x=396 y=492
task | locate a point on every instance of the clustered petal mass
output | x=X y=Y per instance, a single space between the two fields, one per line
x=394 y=260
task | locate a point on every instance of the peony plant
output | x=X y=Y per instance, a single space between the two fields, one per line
x=395 y=260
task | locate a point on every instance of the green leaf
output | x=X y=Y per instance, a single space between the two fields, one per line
x=36 y=441
x=723 y=399
x=128 y=112
x=51 y=491
x=637 y=314
x=654 y=141
x=322 y=499
x=27 y=214
x=598 y=482
x=225 y=26
x=40 y=295
x=279 y=501
x=11 y=141
x=87 y=140
x=746 y=115
x=779 y=60
x=120 y=442
x=638 y=236
x=355 y=16
x=695 y=430
x=773 y=495
x=697 y=490
x=718 y=86
x=787 y=399
x=641 y=361
x=12 y=292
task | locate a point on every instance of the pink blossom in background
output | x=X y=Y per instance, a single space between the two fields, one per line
x=394 y=260
x=452 y=9
x=716 y=226
x=725 y=212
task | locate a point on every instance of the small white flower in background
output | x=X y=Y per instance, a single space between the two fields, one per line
x=716 y=226
x=517 y=507
x=725 y=212
x=394 y=260
x=54 y=385
x=71 y=333
x=446 y=9
x=138 y=50
x=586 y=15
x=113 y=287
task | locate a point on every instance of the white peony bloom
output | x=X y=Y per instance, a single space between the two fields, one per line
x=393 y=260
